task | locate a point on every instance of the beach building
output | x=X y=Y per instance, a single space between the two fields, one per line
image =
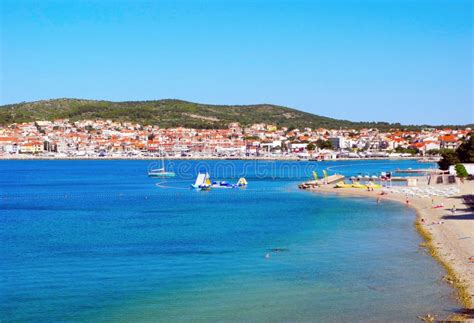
x=32 y=147
x=449 y=142
x=327 y=154
x=9 y=145
x=338 y=142
x=297 y=146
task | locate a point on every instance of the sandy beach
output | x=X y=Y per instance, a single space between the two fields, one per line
x=450 y=235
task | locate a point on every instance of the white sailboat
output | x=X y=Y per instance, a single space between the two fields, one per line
x=161 y=172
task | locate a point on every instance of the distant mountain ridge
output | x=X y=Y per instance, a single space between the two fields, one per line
x=174 y=113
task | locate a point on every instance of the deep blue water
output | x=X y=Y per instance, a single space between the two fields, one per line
x=99 y=240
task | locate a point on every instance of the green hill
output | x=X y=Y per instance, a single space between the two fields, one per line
x=173 y=113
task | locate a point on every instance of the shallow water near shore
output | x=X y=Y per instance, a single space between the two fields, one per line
x=99 y=240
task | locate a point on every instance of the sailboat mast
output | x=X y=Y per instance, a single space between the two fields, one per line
x=162 y=160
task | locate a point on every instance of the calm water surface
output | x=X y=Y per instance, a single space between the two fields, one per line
x=99 y=240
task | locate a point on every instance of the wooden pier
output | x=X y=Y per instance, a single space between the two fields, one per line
x=323 y=181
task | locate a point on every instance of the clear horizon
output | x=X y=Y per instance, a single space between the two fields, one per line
x=395 y=61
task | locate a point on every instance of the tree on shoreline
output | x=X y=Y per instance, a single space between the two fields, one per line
x=461 y=171
x=323 y=144
x=311 y=147
x=463 y=154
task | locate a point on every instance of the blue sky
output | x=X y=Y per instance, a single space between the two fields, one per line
x=401 y=61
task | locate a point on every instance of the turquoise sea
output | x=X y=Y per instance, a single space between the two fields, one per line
x=100 y=241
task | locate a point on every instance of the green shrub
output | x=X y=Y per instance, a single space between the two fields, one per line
x=311 y=147
x=461 y=171
x=449 y=158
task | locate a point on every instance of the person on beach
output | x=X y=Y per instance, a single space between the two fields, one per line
x=453 y=210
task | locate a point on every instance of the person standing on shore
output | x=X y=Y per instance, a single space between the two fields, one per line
x=453 y=210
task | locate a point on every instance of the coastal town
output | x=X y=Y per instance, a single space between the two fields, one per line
x=109 y=139
x=236 y=161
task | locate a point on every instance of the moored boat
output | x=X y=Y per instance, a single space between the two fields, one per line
x=161 y=172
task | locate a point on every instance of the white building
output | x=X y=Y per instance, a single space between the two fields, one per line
x=338 y=142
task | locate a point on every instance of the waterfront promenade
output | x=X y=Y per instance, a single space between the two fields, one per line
x=203 y=157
